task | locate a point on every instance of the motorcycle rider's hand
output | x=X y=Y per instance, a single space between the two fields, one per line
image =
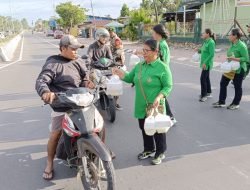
x=118 y=72
x=89 y=84
x=48 y=97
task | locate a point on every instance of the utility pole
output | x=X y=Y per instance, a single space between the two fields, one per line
x=11 y=16
x=93 y=16
x=156 y=12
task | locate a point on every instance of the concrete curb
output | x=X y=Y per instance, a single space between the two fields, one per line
x=7 y=50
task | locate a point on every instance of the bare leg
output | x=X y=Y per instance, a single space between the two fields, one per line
x=51 y=149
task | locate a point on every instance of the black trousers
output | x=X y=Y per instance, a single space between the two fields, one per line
x=205 y=83
x=237 y=81
x=152 y=143
x=168 y=110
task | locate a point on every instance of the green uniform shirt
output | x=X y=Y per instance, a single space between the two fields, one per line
x=156 y=79
x=207 y=53
x=164 y=52
x=239 y=50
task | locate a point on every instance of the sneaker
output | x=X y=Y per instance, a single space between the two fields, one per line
x=233 y=107
x=218 y=105
x=158 y=159
x=146 y=154
x=203 y=99
x=209 y=95
x=174 y=121
x=118 y=107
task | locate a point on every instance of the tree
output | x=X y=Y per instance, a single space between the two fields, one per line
x=24 y=23
x=70 y=15
x=137 y=17
x=124 y=10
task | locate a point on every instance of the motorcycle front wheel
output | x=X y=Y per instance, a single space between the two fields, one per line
x=100 y=175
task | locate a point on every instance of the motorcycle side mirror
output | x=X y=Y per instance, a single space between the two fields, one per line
x=85 y=57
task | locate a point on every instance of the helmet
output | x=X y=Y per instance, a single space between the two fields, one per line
x=101 y=32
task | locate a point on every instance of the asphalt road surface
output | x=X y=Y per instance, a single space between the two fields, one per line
x=208 y=149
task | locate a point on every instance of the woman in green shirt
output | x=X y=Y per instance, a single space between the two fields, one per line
x=237 y=52
x=207 y=58
x=153 y=82
x=161 y=35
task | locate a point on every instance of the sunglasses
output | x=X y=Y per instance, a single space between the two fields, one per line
x=146 y=50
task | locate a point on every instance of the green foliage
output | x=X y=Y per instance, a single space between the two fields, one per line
x=24 y=23
x=10 y=24
x=162 y=5
x=137 y=17
x=124 y=10
x=70 y=15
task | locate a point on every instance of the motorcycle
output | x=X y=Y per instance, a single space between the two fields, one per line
x=80 y=144
x=100 y=71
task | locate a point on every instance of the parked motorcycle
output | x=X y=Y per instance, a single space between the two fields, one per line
x=80 y=143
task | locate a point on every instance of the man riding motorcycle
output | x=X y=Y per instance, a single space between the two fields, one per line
x=99 y=49
x=59 y=74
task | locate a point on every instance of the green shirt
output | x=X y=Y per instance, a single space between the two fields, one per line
x=164 y=52
x=156 y=79
x=239 y=50
x=207 y=53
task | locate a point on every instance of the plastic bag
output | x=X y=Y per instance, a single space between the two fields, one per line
x=134 y=59
x=114 y=86
x=162 y=123
x=196 y=57
x=235 y=65
x=230 y=66
x=226 y=67
x=149 y=125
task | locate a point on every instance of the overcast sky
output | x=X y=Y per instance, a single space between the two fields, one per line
x=34 y=9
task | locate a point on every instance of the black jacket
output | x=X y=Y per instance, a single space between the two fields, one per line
x=60 y=74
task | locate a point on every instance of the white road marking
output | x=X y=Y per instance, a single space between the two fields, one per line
x=238 y=171
x=182 y=59
x=19 y=59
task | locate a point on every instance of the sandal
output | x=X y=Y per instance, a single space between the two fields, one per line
x=51 y=173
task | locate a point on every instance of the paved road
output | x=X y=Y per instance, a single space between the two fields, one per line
x=208 y=150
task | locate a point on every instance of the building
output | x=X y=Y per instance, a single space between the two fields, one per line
x=219 y=14
x=87 y=29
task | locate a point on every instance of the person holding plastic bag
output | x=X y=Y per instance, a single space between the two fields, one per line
x=161 y=35
x=153 y=82
x=237 y=52
x=206 y=63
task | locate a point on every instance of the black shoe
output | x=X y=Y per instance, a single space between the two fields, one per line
x=218 y=105
x=118 y=107
x=146 y=154
x=203 y=99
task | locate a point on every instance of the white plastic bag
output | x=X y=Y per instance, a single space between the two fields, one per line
x=134 y=59
x=114 y=86
x=230 y=66
x=162 y=123
x=196 y=57
x=149 y=126
x=226 y=67
x=235 y=65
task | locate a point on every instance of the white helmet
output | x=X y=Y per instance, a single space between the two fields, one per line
x=101 y=32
